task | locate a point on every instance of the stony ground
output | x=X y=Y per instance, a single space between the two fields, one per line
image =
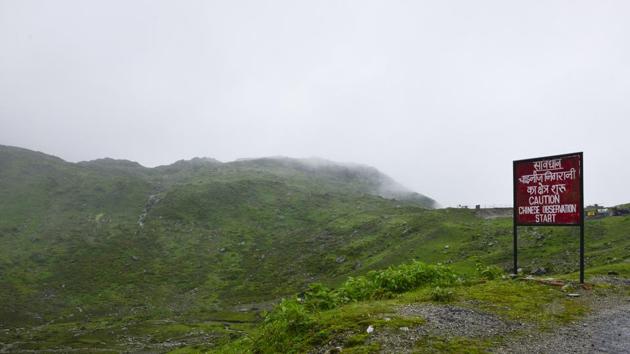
x=605 y=330
x=442 y=321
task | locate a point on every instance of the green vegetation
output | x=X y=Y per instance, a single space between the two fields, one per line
x=441 y=294
x=379 y=285
x=322 y=316
x=295 y=325
x=518 y=300
x=109 y=254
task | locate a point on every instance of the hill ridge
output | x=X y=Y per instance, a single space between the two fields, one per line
x=374 y=181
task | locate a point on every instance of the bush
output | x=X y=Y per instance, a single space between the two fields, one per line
x=441 y=294
x=413 y=275
x=284 y=328
x=394 y=280
x=292 y=316
x=319 y=297
x=489 y=272
x=356 y=289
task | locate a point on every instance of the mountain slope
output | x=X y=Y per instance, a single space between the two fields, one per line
x=197 y=234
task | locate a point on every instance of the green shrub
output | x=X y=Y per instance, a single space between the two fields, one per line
x=442 y=294
x=411 y=276
x=394 y=280
x=356 y=289
x=489 y=272
x=284 y=328
x=319 y=297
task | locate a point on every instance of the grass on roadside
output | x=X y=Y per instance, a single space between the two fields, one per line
x=322 y=316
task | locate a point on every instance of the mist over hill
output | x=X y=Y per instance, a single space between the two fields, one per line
x=350 y=176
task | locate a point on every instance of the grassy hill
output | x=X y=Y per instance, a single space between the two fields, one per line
x=110 y=235
x=109 y=254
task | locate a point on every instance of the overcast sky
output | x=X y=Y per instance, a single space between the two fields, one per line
x=440 y=95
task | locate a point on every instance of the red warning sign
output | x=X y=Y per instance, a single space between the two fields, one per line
x=548 y=190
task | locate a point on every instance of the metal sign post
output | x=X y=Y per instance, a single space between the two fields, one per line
x=549 y=191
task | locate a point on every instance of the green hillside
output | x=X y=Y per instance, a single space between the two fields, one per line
x=196 y=236
x=108 y=254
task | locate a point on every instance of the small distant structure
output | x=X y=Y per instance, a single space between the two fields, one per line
x=493 y=211
x=596 y=211
x=614 y=211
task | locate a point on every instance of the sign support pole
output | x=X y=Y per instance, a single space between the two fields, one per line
x=514 y=223
x=515 y=251
x=581 y=219
x=582 y=253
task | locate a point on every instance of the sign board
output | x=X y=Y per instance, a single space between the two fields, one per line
x=548 y=190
